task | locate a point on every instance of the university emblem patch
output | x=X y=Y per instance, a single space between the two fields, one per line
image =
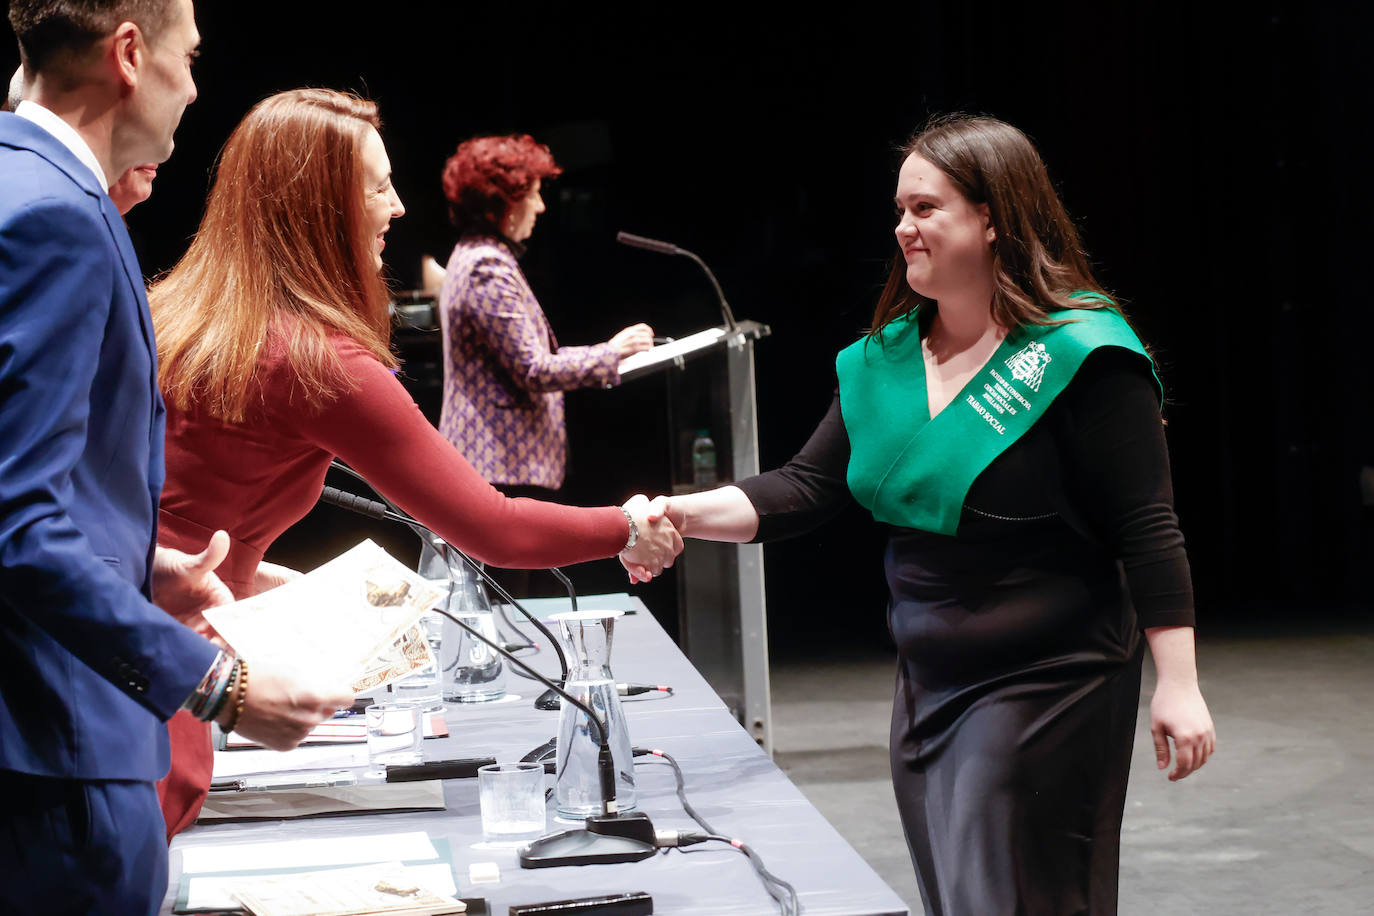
x=1028 y=364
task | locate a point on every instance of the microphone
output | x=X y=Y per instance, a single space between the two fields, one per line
x=639 y=241
x=354 y=503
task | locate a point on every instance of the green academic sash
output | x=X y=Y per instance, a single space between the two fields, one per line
x=910 y=470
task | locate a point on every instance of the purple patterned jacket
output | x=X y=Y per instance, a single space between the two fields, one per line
x=504 y=373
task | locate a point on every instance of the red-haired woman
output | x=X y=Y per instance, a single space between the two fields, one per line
x=1003 y=418
x=272 y=337
x=504 y=372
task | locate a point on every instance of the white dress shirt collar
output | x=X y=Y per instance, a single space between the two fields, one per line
x=65 y=134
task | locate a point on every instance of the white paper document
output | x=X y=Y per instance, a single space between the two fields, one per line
x=351 y=729
x=353 y=617
x=215 y=892
x=307 y=853
x=232 y=764
x=669 y=351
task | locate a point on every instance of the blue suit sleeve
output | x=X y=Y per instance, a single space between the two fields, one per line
x=57 y=270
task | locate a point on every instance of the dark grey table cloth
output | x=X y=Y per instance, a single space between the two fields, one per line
x=729 y=779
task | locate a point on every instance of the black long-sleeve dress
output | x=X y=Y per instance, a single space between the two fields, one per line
x=1019 y=643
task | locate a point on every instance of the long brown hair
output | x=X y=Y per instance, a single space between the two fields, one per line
x=283 y=259
x=1038 y=260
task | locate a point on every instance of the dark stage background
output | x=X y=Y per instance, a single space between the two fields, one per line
x=1217 y=164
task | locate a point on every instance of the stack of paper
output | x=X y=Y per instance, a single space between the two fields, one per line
x=284 y=804
x=344 y=730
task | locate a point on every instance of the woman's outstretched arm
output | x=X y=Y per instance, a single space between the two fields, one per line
x=801 y=495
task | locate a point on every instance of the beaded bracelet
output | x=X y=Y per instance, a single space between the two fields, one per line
x=242 y=697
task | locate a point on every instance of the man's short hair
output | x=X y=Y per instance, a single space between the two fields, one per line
x=56 y=34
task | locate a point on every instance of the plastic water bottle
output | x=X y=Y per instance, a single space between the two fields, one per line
x=703 y=460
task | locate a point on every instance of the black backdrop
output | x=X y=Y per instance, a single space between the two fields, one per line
x=1217 y=163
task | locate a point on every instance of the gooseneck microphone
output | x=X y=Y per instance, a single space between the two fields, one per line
x=639 y=241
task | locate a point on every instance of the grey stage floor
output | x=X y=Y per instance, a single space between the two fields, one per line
x=1281 y=820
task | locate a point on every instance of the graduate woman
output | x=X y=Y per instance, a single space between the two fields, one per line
x=1004 y=418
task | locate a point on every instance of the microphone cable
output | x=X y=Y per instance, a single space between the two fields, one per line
x=781 y=891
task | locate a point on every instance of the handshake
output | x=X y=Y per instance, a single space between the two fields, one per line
x=660 y=537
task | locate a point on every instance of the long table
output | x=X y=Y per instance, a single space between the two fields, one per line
x=729 y=780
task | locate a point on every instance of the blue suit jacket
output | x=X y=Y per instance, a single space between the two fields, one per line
x=88 y=667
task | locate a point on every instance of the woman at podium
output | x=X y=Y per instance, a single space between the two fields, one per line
x=1004 y=419
x=273 y=345
x=504 y=371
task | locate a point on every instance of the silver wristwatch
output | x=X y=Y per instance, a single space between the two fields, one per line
x=634 y=530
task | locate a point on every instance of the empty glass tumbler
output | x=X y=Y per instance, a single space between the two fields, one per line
x=512 y=801
x=394 y=732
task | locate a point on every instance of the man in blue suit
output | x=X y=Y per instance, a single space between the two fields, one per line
x=89 y=667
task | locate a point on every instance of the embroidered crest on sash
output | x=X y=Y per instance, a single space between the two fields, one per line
x=1028 y=364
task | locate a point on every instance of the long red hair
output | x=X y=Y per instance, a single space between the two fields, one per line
x=283 y=259
x=485 y=176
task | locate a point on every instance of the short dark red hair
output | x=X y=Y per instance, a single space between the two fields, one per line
x=485 y=175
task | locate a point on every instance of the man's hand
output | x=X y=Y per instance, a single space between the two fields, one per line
x=185 y=584
x=281 y=707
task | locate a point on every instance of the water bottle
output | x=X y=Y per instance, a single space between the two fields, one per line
x=703 y=460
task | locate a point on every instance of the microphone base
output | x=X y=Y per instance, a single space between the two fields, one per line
x=632 y=826
x=548 y=700
x=579 y=847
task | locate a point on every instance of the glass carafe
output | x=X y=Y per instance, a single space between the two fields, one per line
x=470 y=670
x=587 y=636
